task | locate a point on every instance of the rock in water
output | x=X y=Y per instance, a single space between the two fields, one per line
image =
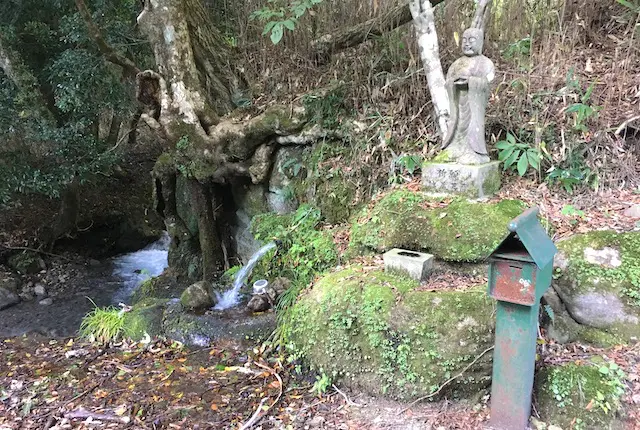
x=277 y=288
x=46 y=302
x=40 y=290
x=259 y=303
x=197 y=297
x=8 y=298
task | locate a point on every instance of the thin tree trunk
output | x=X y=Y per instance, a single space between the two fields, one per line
x=114 y=130
x=133 y=128
x=425 y=26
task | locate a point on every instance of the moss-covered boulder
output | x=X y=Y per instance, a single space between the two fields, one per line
x=562 y=328
x=598 y=280
x=456 y=231
x=201 y=330
x=376 y=332
x=585 y=397
x=165 y=286
x=145 y=318
x=197 y=297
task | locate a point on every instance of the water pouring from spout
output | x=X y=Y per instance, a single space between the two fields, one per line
x=231 y=298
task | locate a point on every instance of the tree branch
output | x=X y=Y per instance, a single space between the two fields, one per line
x=130 y=68
x=331 y=43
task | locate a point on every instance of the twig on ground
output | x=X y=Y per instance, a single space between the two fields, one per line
x=51 y=419
x=349 y=402
x=255 y=417
x=259 y=414
x=83 y=414
x=39 y=251
x=447 y=382
x=277 y=377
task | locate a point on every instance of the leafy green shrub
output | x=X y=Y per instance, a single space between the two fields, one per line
x=406 y=164
x=279 y=17
x=518 y=155
x=304 y=251
x=103 y=325
x=571 y=175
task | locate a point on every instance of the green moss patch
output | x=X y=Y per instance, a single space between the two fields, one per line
x=597 y=276
x=375 y=332
x=459 y=231
x=580 y=396
x=144 y=318
x=586 y=276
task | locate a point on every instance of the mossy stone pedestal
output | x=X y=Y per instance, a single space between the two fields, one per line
x=467 y=180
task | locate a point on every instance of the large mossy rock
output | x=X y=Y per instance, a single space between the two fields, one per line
x=197 y=297
x=580 y=396
x=376 y=332
x=201 y=330
x=598 y=280
x=460 y=231
x=145 y=318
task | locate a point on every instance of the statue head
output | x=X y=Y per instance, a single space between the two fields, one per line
x=472 y=41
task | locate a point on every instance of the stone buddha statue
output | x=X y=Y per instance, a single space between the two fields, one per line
x=467 y=83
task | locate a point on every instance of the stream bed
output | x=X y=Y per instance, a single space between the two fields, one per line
x=75 y=288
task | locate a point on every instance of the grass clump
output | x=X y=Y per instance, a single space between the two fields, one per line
x=103 y=325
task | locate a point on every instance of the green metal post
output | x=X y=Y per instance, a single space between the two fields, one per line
x=519 y=274
x=513 y=365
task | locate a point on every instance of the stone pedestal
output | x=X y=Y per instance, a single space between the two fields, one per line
x=470 y=181
x=416 y=265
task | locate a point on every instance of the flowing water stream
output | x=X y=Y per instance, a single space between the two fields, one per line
x=75 y=288
x=231 y=298
x=112 y=282
x=136 y=267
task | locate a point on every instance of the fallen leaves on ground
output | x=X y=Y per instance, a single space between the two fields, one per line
x=578 y=213
x=54 y=384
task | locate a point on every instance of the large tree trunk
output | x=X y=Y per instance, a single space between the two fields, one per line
x=340 y=40
x=213 y=260
x=187 y=101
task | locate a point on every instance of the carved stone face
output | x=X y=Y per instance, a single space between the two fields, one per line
x=472 y=41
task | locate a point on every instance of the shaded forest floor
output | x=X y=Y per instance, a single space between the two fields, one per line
x=49 y=384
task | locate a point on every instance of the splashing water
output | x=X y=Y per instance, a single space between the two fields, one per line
x=231 y=298
x=136 y=267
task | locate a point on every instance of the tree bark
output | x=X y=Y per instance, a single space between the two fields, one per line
x=425 y=26
x=331 y=43
x=213 y=260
